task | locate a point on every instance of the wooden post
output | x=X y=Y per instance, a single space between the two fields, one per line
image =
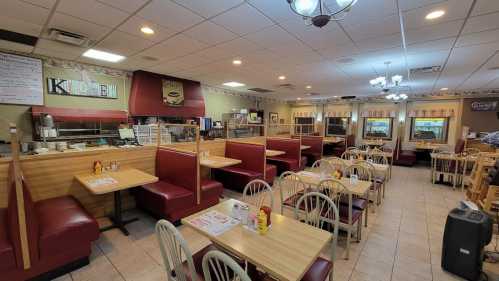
x=20 y=196
x=158 y=144
x=198 y=166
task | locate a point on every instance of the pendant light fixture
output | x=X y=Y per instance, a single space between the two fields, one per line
x=320 y=12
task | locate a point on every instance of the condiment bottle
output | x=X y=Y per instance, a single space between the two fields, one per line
x=267 y=211
x=262 y=222
x=97 y=167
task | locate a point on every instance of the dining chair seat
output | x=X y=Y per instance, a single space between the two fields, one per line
x=356 y=214
x=319 y=270
x=197 y=258
x=291 y=201
x=357 y=203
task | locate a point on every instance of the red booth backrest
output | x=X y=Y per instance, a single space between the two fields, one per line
x=350 y=140
x=315 y=143
x=290 y=146
x=178 y=168
x=252 y=155
x=32 y=228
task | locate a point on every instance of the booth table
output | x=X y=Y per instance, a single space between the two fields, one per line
x=217 y=162
x=333 y=140
x=272 y=153
x=116 y=182
x=304 y=147
x=285 y=252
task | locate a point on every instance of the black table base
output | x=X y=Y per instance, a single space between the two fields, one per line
x=117 y=219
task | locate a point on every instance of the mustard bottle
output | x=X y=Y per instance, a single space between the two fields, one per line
x=262 y=222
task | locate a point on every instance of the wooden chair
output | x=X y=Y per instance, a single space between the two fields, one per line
x=256 y=192
x=319 y=211
x=291 y=188
x=349 y=217
x=222 y=267
x=173 y=248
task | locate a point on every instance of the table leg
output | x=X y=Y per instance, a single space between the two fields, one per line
x=117 y=219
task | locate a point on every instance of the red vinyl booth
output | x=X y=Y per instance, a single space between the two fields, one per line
x=291 y=160
x=252 y=166
x=60 y=235
x=339 y=149
x=315 y=151
x=403 y=157
x=174 y=196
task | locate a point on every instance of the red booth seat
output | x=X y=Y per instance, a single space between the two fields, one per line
x=252 y=167
x=174 y=196
x=291 y=160
x=315 y=151
x=60 y=233
x=403 y=157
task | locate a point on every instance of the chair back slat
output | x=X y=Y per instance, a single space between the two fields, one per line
x=257 y=192
x=218 y=266
x=290 y=185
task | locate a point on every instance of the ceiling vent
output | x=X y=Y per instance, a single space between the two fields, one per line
x=68 y=37
x=426 y=69
x=287 y=86
x=260 y=90
x=20 y=38
x=348 y=97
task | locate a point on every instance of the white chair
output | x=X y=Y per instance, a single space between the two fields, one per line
x=363 y=173
x=323 y=166
x=291 y=188
x=337 y=163
x=173 y=247
x=317 y=210
x=256 y=192
x=221 y=267
x=349 y=216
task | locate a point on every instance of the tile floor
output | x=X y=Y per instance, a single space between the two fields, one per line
x=402 y=243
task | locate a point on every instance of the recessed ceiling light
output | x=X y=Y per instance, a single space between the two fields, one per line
x=282 y=77
x=308 y=87
x=237 y=62
x=234 y=84
x=335 y=96
x=147 y=30
x=298 y=98
x=101 y=55
x=444 y=89
x=435 y=14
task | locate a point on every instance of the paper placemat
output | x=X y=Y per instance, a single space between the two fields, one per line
x=214 y=222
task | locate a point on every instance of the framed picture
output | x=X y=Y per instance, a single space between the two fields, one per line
x=273 y=118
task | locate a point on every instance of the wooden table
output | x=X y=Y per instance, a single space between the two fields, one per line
x=304 y=147
x=286 y=251
x=426 y=146
x=217 y=162
x=272 y=153
x=379 y=169
x=374 y=143
x=359 y=189
x=123 y=179
x=332 y=140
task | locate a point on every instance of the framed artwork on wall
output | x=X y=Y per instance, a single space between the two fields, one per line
x=273 y=118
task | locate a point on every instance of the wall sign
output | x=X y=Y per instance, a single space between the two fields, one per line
x=484 y=105
x=21 y=80
x=93 y=89
x=173 y=93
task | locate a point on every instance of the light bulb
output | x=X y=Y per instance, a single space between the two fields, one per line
x=344 y=3
x=305 y=7
x=397 y=79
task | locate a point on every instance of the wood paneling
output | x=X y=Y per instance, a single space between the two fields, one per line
x=52 y=175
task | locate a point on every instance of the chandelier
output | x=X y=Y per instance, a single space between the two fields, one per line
x=392 y=85
x=320 y=12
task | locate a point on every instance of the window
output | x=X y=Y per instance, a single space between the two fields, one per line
x=336 y=126
x=377 y=128
x=308 y=122
x=429 y=129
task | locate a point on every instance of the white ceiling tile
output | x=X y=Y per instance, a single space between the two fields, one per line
x=19 y=26
x=379 y=27
x=482 y=23
x=209 y=9
x=414 y=4
x=478 y=38
x=433 y=32
x=485 y=76
x=485 y=6
x=243 y=20
x=123 y=43
x=454 y=10
x=8 y=45
x=22 y=11
x=234 y=48
x=92 y=11
x=78 y=26
x=170 y=15
x=57 y=49
x=210 y=33
x=42 y=3
x=177 y=46
x=339 y=51
x=135 y=23
x=129 y=6
x=430 y=46
x=277 y=10
x=379 y=43
x=367 y=11
x=271 y=37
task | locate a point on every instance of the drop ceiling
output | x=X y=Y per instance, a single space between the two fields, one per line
x=198 y=39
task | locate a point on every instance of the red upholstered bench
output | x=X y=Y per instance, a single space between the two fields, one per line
x=403 y=157
x=252 y=167
x=315 y=151
x=60 y=235
x=291 y=160
x=174 y=196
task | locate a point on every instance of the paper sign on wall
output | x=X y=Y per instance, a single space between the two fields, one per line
x=94 y=89
x=21 y=80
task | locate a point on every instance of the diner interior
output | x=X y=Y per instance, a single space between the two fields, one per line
x=189 y=140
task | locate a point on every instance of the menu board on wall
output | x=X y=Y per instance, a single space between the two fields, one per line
x=21 y=80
